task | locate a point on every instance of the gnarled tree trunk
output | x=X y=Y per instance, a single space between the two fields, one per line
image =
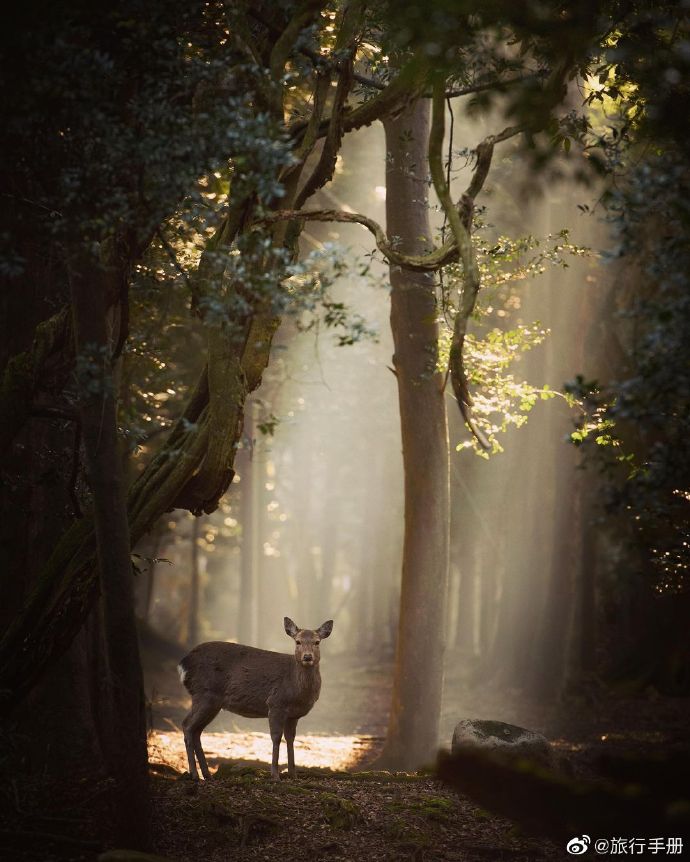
x=123 y=720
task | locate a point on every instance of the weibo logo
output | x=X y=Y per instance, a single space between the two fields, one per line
x=578 y=846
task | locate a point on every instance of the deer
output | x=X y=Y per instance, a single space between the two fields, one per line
x=254 y=683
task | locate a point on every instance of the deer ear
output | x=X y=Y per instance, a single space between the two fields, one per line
x=324 y=630
x=290 y=627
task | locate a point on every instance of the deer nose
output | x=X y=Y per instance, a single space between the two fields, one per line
x=307 y=657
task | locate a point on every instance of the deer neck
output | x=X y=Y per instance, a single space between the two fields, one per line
x=307 y=678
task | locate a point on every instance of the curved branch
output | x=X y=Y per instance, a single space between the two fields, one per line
x=485 y=151
x=496 y=84
x=434 y=260
x=463 y=240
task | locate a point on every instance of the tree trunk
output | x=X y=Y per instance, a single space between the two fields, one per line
x=467 y=600
x=329 y=553
x=247 y=623
x=418 y=681
x=363 y=611
x=193 y=610
x=586 y=631
x=150 y=585
x=548 y=673
x=252 y=625
x=123 y=730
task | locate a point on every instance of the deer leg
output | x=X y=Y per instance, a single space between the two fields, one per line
x=189 y=747
x=290 y=731
x=201 y=714
x=200 y=756
x=276 y=724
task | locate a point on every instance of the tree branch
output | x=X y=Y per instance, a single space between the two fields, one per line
x=283 y=47
x=497 y=84
x=430 y=262
x=346 y=45
x=170 y=251
x=463 y=240
x=321 y=60
x=402 y=90
x=485 y=152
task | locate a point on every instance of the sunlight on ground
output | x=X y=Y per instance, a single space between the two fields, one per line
x=332 y=752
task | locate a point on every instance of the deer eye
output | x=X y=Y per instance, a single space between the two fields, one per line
x=299 y=643
x=316 y=643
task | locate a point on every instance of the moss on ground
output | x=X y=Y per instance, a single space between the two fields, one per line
x=242 y=814
x=339 y=812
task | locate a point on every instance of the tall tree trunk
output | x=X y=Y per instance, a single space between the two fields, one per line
x=193 y=610
x=548 y=672
x=329 y=553
x=586 y=630
x=363 y=612
x=467 y=600
x=150 y=586
x=265 y=627
x=492 y=575
x=123 y=717
x=413 y=725
x=246 y=624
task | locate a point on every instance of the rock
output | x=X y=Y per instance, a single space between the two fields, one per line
x=504 y=738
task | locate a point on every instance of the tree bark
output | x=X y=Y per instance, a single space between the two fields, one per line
x=193 y=609
x=123 y=730
x=418 y=681
x=329 y=552
x=586 y=628
x=247 y=622
x=548 y=669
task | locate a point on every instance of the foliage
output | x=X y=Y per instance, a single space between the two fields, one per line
x=499 y=399
x=97 y=149
x=478 y=43
x=642 y=419
x=635 y=426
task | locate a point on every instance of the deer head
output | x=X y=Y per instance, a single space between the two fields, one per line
x=307 y=653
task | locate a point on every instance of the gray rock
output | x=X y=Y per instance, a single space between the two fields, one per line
x=504 y=738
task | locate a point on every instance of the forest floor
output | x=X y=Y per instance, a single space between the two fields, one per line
x=242 y=815
x=337 y=808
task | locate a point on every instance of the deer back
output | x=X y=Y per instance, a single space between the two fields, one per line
x=248 y=681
